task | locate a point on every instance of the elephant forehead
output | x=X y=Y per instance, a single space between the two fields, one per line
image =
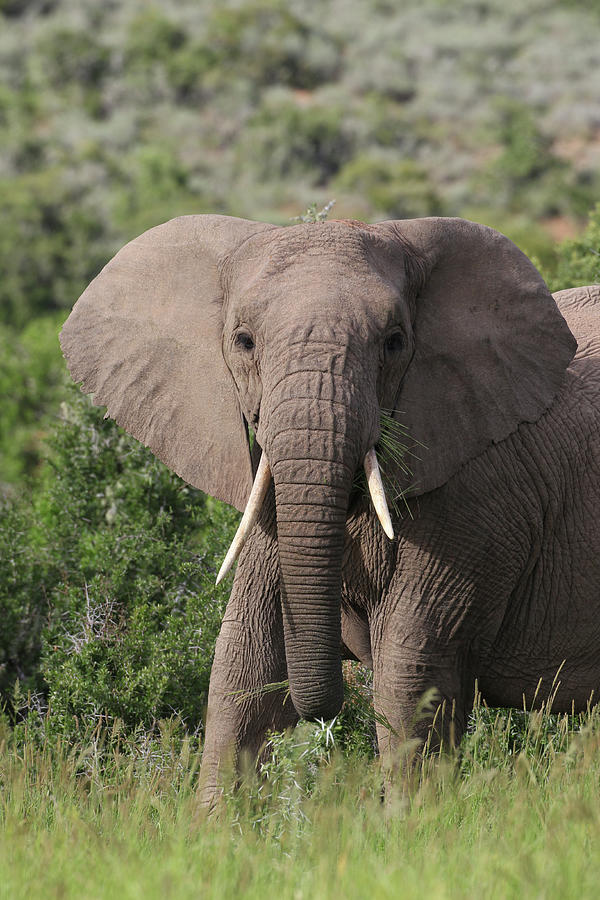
x=351 y=248
x=331 y=295
x=332 y=274
x=332 y=240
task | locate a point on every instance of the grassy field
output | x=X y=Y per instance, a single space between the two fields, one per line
x=515 y=814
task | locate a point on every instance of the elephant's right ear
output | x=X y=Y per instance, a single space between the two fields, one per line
x=145 y=339
x=491 y=347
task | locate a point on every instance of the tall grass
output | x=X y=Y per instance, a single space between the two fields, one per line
x=513 y=814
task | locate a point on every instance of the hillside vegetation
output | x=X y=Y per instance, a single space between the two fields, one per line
x=116 y=116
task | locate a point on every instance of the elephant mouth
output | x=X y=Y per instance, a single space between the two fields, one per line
x=258 y=493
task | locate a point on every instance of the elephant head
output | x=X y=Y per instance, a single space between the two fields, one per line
x=209 y=325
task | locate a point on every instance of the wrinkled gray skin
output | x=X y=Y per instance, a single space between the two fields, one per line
x=208 y=323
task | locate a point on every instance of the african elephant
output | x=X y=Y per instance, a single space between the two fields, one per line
x=207 y=330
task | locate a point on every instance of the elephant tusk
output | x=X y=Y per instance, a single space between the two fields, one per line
x=261 y=484
x=377 y=492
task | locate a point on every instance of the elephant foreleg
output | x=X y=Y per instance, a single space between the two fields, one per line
x=420 y=703
x=249 y=655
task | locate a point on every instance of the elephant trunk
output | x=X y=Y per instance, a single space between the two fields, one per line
x=311 y=519
x=314 y=455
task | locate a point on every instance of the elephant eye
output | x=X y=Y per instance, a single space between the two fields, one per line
x=244 y=340
x=394 y=342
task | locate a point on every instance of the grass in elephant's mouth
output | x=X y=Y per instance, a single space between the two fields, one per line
x=394 y=449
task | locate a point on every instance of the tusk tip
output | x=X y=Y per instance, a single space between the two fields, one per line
x=377 y=492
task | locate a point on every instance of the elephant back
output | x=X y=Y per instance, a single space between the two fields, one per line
x=581 y=308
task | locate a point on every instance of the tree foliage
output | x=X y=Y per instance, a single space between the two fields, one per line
x=579 y=259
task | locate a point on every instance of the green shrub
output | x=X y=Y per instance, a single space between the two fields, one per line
x=259 y=43
x=526 y=176
x=32 y=378
x=156 y=46
x=17 y=8
x=289 y=140
x=394 y=188
x=115 y=569
x=53 y=241
x=152 y=37
x=71 y=56
x=24 y=602
x=266 y=43
x=579 y=259
x=154 y=186
x=22 y=142
x=189 y=72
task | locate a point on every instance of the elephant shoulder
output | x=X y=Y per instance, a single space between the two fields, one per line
x=580 y=306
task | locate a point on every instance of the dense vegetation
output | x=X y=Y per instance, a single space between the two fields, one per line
x=114 y=117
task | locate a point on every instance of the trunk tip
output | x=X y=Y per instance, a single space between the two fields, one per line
x=321 y=708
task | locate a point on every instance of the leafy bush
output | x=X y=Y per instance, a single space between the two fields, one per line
x=579 y=259
x=260 y=43
x=290 y=140
x=526 y=175
x=115 y=567
x=53 y=241
x=243 y=106
x=16 y=8
x=107 y=592
x=394 y=188
x=72 y=56
x=23 y=602
x=31 y=385
x=152 y=37
x=267 y=43
x=154 y=186
x=157 y=44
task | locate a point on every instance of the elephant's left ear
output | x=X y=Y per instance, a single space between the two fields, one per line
x=491 y=347
x=145 y=338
